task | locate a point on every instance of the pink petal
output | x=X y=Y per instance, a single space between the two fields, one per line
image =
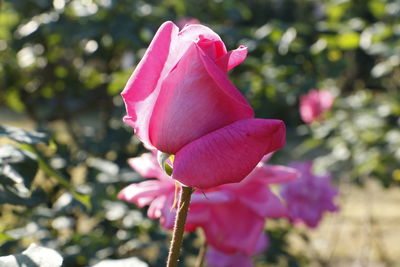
x=199 y=33
x=142 y=193
x=198 y=215
x=274 y=208
x=196 y=98
x=262 y=243
x=146 y=165
x=168 y=213
x=213 y=49
x=141 y=91
x=157 y=207
x=326 y=99
x=256 y=196
x=232 y=58
x=214 y=197
x=234 y=228
x=225 y=85
x=275 y=174
x=229 y=154
x=267 y=157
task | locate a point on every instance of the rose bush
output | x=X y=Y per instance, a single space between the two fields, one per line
x=180 y=101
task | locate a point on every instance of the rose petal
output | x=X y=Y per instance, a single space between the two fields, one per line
x=229 y=154
x=275 y=174
x=193 y=101
x=262 y=243
x=274 y=208
x=214 y=197
x=242 y=235
x=141 y=91
x=232 y=58
x=225 y=85
x=157 y=207
x=142 y=193
x=208 y=40
x=147 y=166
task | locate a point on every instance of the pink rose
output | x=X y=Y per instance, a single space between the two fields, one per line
x=309 y=196
x=215 y=210
x=180 y=101
x=314 y=104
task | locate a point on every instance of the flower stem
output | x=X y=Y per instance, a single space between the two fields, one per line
x=179 y=226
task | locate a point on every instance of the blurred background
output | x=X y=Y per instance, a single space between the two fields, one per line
x=63 y=64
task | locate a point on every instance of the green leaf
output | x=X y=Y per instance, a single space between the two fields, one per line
x=307 y=146
x=8 y=194
x=83 y=198
x=348 y=40
x=4 y=238
x=17 y=170
x=118 y=81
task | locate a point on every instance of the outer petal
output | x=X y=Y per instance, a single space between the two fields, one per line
x=141 y=91
x=275 y=174
x=229 y=154
x=195 y=99
x=232 y=58
x=142 y=193
x=146 y=165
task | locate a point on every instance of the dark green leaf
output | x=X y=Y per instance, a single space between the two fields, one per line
x=17 y=168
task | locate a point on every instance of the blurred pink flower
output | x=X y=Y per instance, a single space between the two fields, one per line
x=236 y=224
x=314 y=104
x=216 y=258
x=180 y=101
x=158 y=194
x=181 y=23
x=309 y=196
x=216 y=210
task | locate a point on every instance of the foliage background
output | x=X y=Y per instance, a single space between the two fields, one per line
x=63 y=64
